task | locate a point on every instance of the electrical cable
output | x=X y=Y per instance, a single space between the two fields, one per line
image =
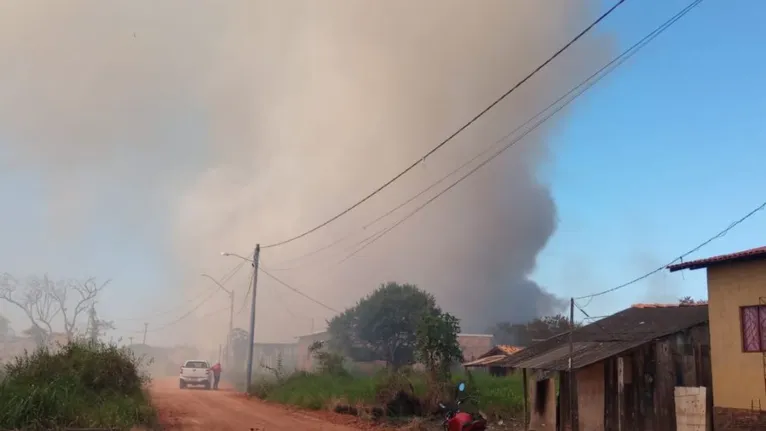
x=225 y=279
x=587 y=84
x=595 y=322
x=681 y=257
x=453 y=135
x=247 y=295
x=299 y=292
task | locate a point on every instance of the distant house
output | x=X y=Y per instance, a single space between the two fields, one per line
x=303 y=358
x=625 y=371
x=491 y=358
x=269 y=355
x=736 y=286
x=474 y=345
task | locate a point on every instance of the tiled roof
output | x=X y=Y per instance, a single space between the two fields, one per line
x=609 y=336
x=740 y=256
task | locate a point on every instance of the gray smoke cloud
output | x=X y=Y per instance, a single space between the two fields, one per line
x=225 y=124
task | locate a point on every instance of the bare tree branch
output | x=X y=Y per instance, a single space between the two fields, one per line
x=86 y=291
x=42 y=299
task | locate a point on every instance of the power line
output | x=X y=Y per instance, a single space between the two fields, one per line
x=316 y=301
x=187 y=314
x=247 y=295
x=681 y=257
x=224 y=280
x=454 y=134
x=587 y=84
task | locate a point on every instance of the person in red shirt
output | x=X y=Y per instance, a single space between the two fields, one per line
x=216 y=374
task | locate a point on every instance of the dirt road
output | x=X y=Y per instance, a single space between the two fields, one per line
x=197 y=409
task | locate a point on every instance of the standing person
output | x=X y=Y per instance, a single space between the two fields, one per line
x=216 y=374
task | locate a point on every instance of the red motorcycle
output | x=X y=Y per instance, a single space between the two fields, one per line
x=456 y=420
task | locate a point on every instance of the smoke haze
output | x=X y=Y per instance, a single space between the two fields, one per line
x=222 y=124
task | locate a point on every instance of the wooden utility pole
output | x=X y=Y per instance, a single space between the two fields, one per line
x=131 y=340
x=146 y=328
x=571 y=391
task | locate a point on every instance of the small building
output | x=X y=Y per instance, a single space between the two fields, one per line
x=272 y=355
x=304 y=360
x=625 y=371
x=491 y=358
x=474 y=345
x=736 y=286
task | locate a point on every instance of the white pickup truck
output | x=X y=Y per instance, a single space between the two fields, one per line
x=195 y=372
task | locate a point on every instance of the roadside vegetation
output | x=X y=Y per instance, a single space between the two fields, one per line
x=401 y=327
x=83 y=384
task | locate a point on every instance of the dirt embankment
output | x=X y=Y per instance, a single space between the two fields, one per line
x=197 y=409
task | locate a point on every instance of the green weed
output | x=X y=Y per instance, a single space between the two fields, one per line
x=80 y=385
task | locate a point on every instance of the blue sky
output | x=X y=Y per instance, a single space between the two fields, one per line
x=663 y=154
x=658 y=157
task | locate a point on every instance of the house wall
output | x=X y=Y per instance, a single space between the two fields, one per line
x=590 y=397
x=303 y=359
x=474 y=345
x=541 y=419
x=738 y=377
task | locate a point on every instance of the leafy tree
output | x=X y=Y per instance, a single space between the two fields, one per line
x=688 y=300
x=382 y=325
x=436 y=344
x=329 y=362
x=525 y=334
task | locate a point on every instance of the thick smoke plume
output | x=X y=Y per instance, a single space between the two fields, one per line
x=225 y=124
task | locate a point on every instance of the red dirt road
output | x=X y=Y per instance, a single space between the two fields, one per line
x=198 y=409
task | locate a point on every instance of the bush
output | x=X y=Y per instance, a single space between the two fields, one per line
x=397 y=393
x=82 y=384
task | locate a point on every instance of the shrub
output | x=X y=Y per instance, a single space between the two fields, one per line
x=82 y=384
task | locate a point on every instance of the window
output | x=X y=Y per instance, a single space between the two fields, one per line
x=753 y=321
x=196 y=364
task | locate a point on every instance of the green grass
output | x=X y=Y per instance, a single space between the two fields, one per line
x=499 y=397
x=81 y=385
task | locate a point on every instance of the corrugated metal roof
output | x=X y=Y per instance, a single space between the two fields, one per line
x=614 y=334
x=753 y=253
x=583 y=354
x=483 y=362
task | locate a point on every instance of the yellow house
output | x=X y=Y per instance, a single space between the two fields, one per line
x=736 y=285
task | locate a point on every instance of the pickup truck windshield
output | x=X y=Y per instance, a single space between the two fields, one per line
x=196 y=364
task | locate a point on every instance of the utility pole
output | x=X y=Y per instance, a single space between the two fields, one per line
x=146 y=327
x=131 y=340
x=569 y=368
x=229 y=351
x=256 y=255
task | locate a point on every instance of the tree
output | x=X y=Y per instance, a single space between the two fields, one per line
x=688 y=300
x=84 y=293
x=382 y=325
x=37 y=334
x=97 y=327
x=525 y=334
x=329 y=362
x=5 y=328
x=43 y=299
x=437 y=346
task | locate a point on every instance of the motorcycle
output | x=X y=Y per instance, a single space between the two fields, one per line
x=456 y=420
